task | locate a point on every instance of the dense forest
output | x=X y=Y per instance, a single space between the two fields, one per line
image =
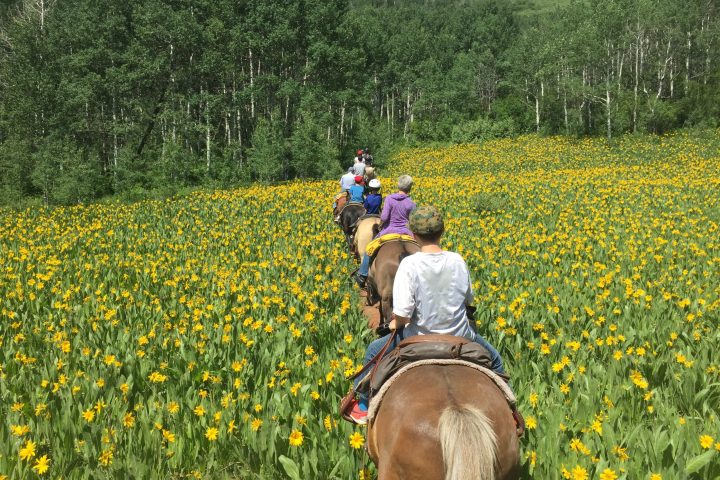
x=120 y=96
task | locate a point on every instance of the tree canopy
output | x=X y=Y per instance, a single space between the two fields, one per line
x=100 y=98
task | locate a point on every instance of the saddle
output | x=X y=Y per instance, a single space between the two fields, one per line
x=373 y=247
x=349 y=204
x=424 y=347
x=422 y=350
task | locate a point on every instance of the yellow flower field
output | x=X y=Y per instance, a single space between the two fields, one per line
x=211 y=336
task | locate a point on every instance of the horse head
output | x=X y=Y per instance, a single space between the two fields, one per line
x=348 y=220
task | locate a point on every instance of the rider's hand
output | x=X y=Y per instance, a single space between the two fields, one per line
x=398 y=322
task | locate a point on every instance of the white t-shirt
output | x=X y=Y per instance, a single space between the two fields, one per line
x=432 y=289
x=359 y=168
x=347 y=181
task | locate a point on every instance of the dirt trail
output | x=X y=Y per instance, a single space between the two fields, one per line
x=371 y=312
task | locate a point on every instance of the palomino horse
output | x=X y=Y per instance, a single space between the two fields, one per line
x=444 y=422
x=348 y=219
x=382 y=275
x=370 y=174
x=364 y=234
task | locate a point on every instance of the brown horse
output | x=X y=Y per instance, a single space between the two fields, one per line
x=444 y=422
x=364 y=234
x=382 y=275
x=348 y=219
x=340 y=202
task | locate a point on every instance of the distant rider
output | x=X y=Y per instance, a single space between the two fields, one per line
x=394 y=219
x=369 y=160
x=373 y=201
x=359 y=166
x=357 y=191
x=347 y=180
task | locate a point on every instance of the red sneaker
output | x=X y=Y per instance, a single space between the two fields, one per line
x=357 y=415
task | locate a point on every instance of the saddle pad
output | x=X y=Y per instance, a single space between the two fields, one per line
x=357 y=222
x=377 y=399
x=349 y=204
x=373 y=246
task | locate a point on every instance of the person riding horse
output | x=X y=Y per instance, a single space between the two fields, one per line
x=369 y=160
x=394 y=219
x=431 y=295
x=357 y=191
x=373 y=201
x=346 y=181
x=359 y=164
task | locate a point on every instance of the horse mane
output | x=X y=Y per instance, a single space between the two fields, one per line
x=462 y=430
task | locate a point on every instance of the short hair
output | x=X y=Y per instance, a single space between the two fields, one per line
x=405 y=183
x=430 y=237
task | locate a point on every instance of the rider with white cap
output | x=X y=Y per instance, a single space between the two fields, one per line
x=373 y=201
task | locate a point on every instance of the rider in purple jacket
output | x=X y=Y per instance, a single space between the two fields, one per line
x=394 y=219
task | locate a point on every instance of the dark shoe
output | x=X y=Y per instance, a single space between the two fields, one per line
x=360 y=280
x=382 y=330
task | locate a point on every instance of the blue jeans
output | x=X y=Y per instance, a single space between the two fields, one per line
x=496 y=363
x=364 y=269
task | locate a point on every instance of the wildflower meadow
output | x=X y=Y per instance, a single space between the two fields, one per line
x=212 y=335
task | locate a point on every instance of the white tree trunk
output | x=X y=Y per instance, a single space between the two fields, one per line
x=342 y=119
x=252 y=84
x=637 y=83
x=687 y=64
x=565 y=110
x=207 y=134
x=607 y=103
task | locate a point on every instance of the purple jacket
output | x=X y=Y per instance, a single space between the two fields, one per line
x=395 y=214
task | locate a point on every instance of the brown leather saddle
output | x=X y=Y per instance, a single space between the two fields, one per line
x=430 y=347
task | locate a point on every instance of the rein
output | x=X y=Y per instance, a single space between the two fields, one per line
x=376 y=358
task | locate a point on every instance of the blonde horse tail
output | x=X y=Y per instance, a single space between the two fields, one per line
x=469 y=444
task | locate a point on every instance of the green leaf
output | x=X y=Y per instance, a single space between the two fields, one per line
x=290 y=467
x=699 y=461
x=336 y=467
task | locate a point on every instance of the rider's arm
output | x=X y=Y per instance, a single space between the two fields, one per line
x=403 y=296
x=469 y=297
x=385 y=215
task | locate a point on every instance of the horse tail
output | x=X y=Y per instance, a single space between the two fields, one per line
x=469 y=444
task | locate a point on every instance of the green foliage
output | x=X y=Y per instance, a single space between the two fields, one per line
x=267 y=157
x=476 y=131
x=200 y=100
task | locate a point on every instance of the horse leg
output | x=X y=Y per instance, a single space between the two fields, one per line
x=386 y=308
